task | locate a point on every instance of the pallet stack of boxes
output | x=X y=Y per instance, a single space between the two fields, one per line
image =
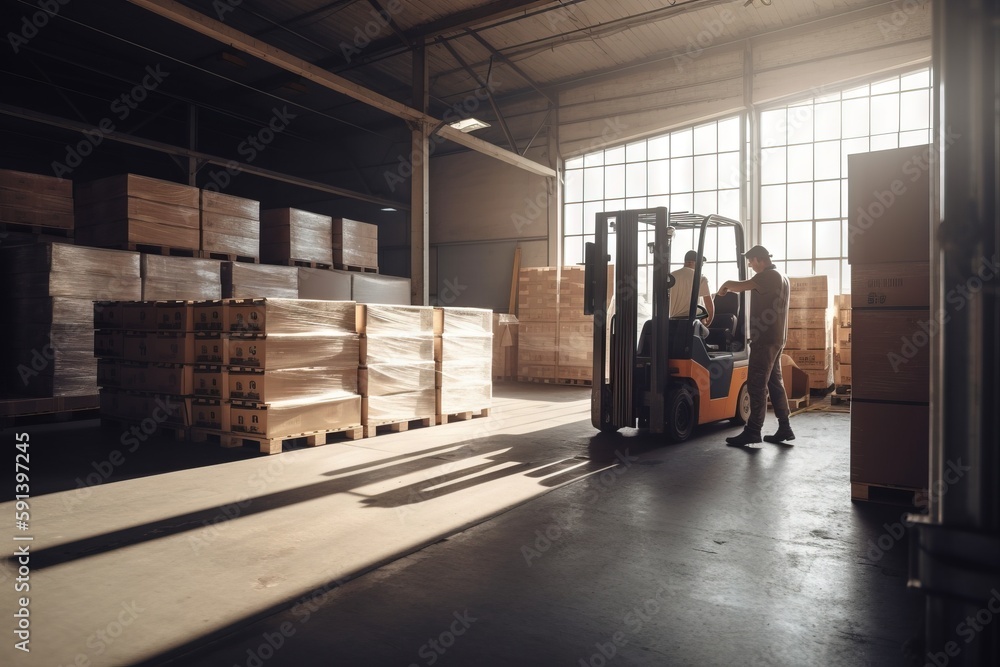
x=355 y=244
x=243 y=280
x=128 y=210
x=166 y=278
x=463 y=355
x=891 y=325
x=810 y=324
x=397 y=368
x=230 y=227
x=538 y=324
x=293 y=237
x=842 y=375
x=35 y=200
x=292 y=370
x=48 y=347
x=576 y=329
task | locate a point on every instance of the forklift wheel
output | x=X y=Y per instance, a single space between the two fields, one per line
x=680 y=416
x=742 y=415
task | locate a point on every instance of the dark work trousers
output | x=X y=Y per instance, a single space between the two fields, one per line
x=763 y=378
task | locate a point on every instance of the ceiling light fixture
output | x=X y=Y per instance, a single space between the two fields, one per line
x=469 y=124
x=388 y=208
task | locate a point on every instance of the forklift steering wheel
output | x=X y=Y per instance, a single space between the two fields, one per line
x=700 y=312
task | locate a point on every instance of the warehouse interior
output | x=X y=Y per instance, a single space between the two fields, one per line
x=518 y=533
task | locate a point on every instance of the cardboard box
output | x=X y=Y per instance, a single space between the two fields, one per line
x=843 y=356
x=795 y=379
x=175 y=316
x=808 y=318
x=287 y=316
x=279 y=351
x=888 y=206
x=811 y=359
x=377 y=288
x=243 y=280
x=808 y=284
x=290 y=234
x=211 y=415
x=388 y=319
x=293 y=384
x=505 y=339
x=171 y=348
x=844 y=337
x=449 y=320
x=893 y=352
x=808 y=339
x=820 y=378
x=889 y=444
x=843 y=375
x=328 y=284
x=897 y=285
x=42 y=184
x=139 y=316
x=108 y=314
x=294 y=418
x=108 y=374
x=210 y=381
x=174 y=380
x=109 y=344
x=211 y=315
x=211 y=349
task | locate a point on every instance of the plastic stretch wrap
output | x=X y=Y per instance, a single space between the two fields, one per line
x=389 y=319
x=474 y=372
x=292 y=384
x=377 y=288
x=222 y=204
x=289 y=418
x=355 y=257
x=396 y=349
x=52 y=310
x=287 y=316
x=463 y=321
x=57 y=361
x=230 y=234
x=160 y=379
x=388 y=379
x=242 y=280
x=352 y=228
x=38 y=183
x=121 y=232
x=281 y=351
x=138 y=407
x=184 y=278
x=355 y=244
x=537 y=343
x=466 y=349
x=11 y=197
x=324 y=284
x=75 y=270
x=46 y=217
x=401 y=407
x=290 y=234
x=150 y=212
x=466 y=398
x=75 y=285
x=141 y=187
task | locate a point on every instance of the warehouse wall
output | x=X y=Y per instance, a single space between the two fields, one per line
x=709 y=81
x=481 y=209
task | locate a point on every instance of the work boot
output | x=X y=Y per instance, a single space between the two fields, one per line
x=783 y=434
x=745 y=439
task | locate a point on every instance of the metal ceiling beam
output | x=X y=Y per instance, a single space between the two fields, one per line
x=219 y=31
x=489 y=93
x=513 y=67
x=121 y=137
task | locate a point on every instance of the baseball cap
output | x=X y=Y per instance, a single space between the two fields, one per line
x=692 y=256
x=757 y=251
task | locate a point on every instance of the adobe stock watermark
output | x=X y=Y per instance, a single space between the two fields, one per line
x=883 y=200
x=130 y=441
x=381 y=19
x=32 y=25
x=436 y=647
x=967 y=630
x=957 y=297
x=250 y=148
x=450 y=292
x=121 y=108
x=901 y=15
x=105 y=637
x=713 y=29
x=545 y=538
x=634 y=621
x=953 y=473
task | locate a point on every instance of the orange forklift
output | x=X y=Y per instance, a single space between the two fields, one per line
x=657 y=372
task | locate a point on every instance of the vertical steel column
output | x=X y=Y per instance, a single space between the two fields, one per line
x=955 y=554
x=419 y=189
x=626 y=313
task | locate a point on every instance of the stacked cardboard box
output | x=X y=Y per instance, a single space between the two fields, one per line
x=463 y=352
x=576 y=329
x=48 y=345
x=242 y=280
x=397 y=375
x=288 y=235
x=129 y=210
x=891 y=326
x=842 y=342
x=229 y=226
x=355 y=244
x=292 y=368
x=184 y=278
x=505 y=339
x=810 y=341
x=34 y=199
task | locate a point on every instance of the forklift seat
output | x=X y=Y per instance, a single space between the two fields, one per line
x=723 y=328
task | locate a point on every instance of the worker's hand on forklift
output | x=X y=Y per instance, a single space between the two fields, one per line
x=723 y=291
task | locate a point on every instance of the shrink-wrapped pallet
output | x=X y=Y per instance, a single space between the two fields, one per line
x=243 y=280
x=289 y=316
x=355 y=244
x=378 y=288
x=35 y=199
x=464 y=356
x=289 y=235
x=230 y=225
x=284 y=351
x=326 y=284
x=283 y=419
x=185 y=278
x=130 y=209
x=60 y=269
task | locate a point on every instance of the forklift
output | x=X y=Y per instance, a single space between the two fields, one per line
x=659 y=373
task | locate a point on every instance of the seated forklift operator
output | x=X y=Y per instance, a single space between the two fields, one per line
x=680 y=293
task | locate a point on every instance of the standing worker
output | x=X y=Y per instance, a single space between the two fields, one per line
x=768 y=327
x=680 y=293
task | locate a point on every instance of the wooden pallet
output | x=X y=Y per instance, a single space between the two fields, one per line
x=371 y=428
x=276 y=445
x=462 y=416
x=563 y=381
x=351 y=267
x=882 y=493
x=227 y=257
x=35 y=230
x=305 y=263
x=151 y=249
x=841 y=394
x=48 y=410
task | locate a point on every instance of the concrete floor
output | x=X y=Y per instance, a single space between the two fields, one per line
x=524 y=538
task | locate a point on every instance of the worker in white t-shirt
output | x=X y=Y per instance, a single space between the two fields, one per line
x=680 y=293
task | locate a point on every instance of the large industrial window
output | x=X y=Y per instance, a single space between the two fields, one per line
x=695 y=170
x=803 y=167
